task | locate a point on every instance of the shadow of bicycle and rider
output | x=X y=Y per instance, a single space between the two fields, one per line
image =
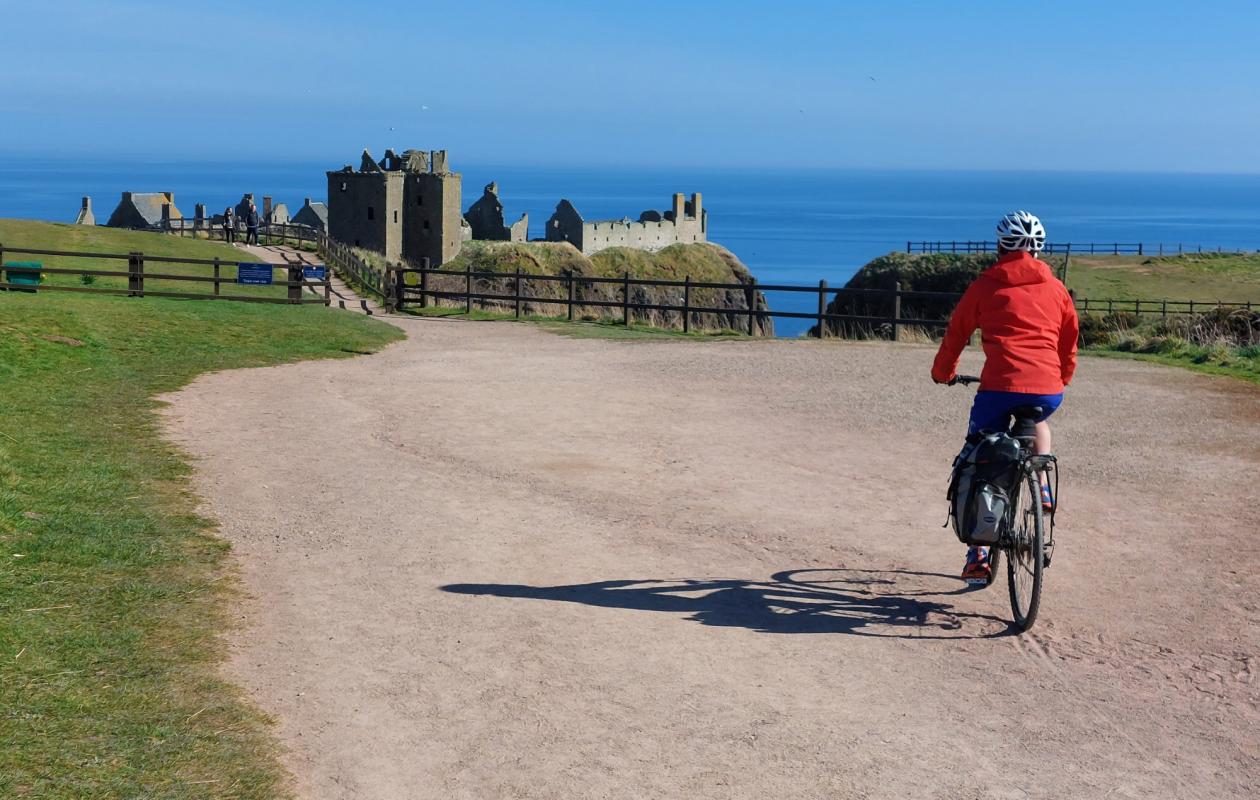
x=850 y=601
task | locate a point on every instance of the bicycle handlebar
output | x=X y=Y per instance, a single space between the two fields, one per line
x=965 y=380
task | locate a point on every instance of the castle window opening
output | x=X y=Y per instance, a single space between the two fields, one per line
x=371 y=213
x=395 y=216
x=344 y=186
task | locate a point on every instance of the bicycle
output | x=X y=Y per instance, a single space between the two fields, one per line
x=1027 y=535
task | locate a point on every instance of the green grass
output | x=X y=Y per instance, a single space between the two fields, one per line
x=1242 y=364
x=1229 y=277
x=113 y=591
x=95 y=239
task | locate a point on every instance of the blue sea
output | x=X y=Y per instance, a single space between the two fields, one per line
x=788 y=226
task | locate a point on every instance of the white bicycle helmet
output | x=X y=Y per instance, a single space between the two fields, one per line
x=1020 y=230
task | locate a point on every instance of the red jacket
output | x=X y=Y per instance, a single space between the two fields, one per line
x=1028 y=328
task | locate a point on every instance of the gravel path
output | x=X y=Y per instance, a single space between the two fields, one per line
x=493 y=562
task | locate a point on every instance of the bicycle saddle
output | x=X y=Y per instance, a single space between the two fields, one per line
x=1025 y=421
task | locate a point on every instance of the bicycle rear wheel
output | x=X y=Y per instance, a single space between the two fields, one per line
x=1025 y=552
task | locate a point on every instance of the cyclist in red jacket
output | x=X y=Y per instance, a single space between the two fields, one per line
x=1028 y=330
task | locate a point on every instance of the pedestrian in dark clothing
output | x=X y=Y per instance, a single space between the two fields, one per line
x=229 y=225
x=251 y=225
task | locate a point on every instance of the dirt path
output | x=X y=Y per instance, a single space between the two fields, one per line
x=492 y=562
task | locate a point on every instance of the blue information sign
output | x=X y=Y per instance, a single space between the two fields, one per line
x=317 y=273
x=257 y=274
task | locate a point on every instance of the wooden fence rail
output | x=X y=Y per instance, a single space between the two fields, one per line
x=137 y=271
x=1069 y=248
x=284 y=232
x=400 y=292
x=419 y=292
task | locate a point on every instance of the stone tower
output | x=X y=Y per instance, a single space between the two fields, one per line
x=406 y=207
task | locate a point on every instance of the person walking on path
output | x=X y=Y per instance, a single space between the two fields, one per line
x=229 y=226
x=251 y=224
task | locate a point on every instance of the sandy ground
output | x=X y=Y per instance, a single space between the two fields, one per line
x=493 y=562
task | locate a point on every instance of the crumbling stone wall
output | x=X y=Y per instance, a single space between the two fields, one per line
x=685 y=223
x=485 y=217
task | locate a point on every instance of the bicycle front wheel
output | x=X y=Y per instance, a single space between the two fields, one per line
x=1025 y=552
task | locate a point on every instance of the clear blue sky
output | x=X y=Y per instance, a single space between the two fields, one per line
x=1161 y=85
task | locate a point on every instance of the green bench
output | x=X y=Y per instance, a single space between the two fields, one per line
x=24 y=273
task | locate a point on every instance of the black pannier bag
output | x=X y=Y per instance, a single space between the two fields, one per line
x=979 y=489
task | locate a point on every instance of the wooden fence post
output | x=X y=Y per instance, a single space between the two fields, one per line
x=424 y=282
x=216 y=275
x=570 y=282
x=822 y=309
x=135 y=274
x=518 y=292
x=1163 y=309
x=295 y=283
x=468 y=289
x=896 y=318
x=751 y=294
x=686 y=314
x=625 y=299
x=400 y=285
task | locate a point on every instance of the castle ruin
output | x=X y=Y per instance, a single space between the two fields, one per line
x=485 y=219
x=686 y=222
x=140 y=210
x=406 y=207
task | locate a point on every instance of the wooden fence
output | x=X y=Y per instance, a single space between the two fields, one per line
x=578 y=291
x=888 y=311
x=1067 y=248
x=353 y=268
x=283 y=233
x=139 y=269
x=1161 y=308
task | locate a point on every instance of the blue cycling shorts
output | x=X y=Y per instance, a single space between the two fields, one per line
x=992 y=410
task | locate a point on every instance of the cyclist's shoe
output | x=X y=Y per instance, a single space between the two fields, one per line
x=1047 y=500
x=976 y=571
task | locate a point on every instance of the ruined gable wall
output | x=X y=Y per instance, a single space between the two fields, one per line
x=519 y=230
x=566 y=225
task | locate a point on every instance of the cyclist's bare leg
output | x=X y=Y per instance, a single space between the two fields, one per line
x=1042 y=442
x=1042 y=446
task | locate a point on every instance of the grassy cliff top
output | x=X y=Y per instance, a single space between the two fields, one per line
x=1231 y=277
x=96 y=239
x=703 y=262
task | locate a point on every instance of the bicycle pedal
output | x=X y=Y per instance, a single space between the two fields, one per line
x=976 y=581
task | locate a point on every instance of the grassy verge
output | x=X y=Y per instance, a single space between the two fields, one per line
x=1221 y=341
x=1243 y=364
x=114 y=590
